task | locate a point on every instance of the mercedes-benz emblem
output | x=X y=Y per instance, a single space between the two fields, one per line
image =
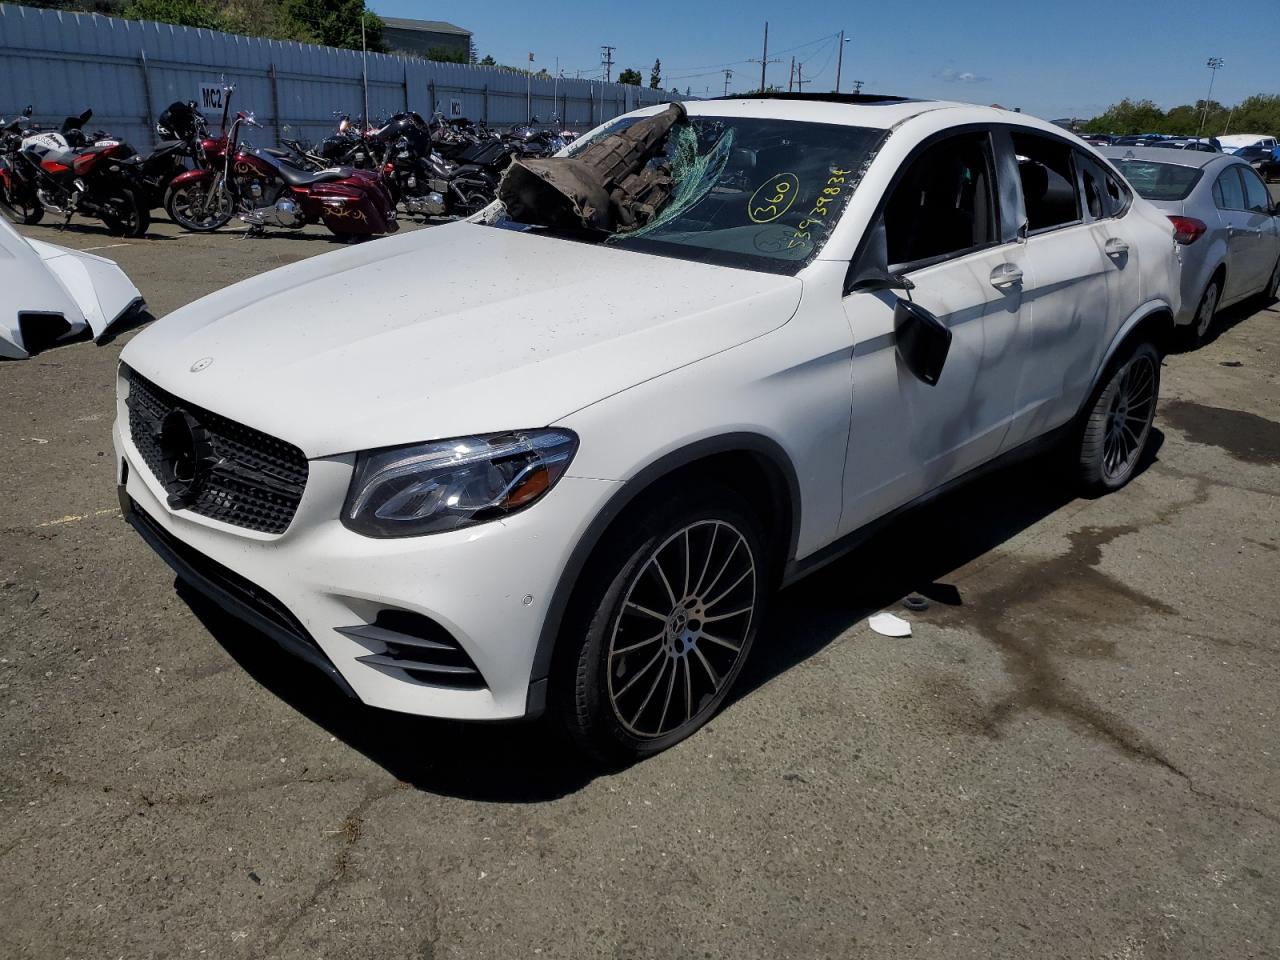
x=201 y=364
x=186 y=457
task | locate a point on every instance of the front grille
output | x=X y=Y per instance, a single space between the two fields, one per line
x=254 y=480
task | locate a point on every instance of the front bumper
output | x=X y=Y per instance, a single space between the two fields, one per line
x=489 y=586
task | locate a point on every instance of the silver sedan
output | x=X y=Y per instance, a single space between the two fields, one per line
x=1224 y=220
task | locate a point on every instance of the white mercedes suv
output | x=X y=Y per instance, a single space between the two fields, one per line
x=497 y=468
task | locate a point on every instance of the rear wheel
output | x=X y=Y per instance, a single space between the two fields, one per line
x=1119 y=421
x=666 y=624
x=130 y=216
x=195 y=206
x=1273 y=288
x=1196 y=332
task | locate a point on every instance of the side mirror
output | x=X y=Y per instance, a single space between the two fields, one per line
x=871 y=271
x=921 y=339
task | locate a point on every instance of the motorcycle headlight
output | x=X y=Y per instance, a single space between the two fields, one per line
x=447 y=484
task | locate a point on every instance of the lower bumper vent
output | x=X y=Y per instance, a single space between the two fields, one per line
x=420 y=647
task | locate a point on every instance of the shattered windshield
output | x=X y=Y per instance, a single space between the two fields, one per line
x=759 y=194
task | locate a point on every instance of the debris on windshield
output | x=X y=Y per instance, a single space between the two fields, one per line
x=609 y=186
x=889 y=625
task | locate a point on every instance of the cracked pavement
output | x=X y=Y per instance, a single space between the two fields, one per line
x=1075 y=754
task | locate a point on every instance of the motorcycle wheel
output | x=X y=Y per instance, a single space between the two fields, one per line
x=19 y=210
x=133 y=217
x=473 y=201
x=188 y=208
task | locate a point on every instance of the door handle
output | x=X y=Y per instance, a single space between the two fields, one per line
x=1006 y=275
x=1116 y=247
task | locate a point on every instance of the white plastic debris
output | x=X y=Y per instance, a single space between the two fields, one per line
x=889 y=625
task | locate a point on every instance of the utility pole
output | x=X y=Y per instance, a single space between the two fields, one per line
x=791 y=81
x=800 y=80
x=1214 y=64
x=840 y=59
x=606 y=58
x=364 y=76
x=728 y=75
x=857 y=86
x=764 y=60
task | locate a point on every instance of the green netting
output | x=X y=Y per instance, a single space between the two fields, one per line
x=693 y=175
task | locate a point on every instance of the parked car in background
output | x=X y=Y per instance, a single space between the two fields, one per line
x=1225 y=221
x=571 y=477
x=1262 y=159
x=1139 y=140
x=1203 y=144
x=1097 y=139
x=1237 y=141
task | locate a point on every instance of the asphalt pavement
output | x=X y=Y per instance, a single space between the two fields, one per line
x=1076 y=753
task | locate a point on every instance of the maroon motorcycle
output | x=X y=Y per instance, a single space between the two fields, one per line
x=265 y=191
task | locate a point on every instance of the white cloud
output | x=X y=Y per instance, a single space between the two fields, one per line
x=951 y=75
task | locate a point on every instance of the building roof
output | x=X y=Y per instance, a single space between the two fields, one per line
x=425 y=26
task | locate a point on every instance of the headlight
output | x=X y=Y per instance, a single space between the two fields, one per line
x=447 y=484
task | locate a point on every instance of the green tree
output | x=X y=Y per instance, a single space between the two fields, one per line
x=183 y=13
x=655 y=75
x=630 y=76
x=336 y=23
x=1128 y=116
x=1257 y=114
x=488 y=61
x=446 y=55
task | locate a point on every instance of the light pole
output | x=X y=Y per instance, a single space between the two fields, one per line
x=840 y=58
x=1214 y=64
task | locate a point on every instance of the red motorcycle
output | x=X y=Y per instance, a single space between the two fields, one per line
x=265 y=191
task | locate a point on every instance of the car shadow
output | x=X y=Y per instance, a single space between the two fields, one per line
x=532 y=761
x=1232 y=317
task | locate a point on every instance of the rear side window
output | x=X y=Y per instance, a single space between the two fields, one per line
x=1228 y=193
x=1256 y=197
x=945 y=203
x=1159 y=181
x=1048 y=181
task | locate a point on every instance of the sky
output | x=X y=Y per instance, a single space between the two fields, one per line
x=1051 y=58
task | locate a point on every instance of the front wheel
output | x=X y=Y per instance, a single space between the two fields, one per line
x=664 y=625
x=130 y=216
x=21 y=208
x=1119 y=421
x=199 y=207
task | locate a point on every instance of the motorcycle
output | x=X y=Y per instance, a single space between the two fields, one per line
x=429 y=184
x=17 y=194
x=66 y=174
x=184 y=136
x=264 y=191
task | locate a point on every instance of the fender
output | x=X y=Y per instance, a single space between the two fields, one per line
x=1126 y=328
x=192 y=176
x=627 y=492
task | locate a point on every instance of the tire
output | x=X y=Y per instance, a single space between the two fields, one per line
x=183 y=205
x=134 y=217
x=1118 y=423
x=1194 y=334
x=1272 y=293
x=25 y=211
x=601 y=682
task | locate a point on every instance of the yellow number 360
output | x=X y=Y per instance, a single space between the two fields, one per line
x=773 y=198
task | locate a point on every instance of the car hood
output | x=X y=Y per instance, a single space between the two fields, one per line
x=450 y=331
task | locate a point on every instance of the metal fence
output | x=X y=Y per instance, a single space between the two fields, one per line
x=128 y=71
